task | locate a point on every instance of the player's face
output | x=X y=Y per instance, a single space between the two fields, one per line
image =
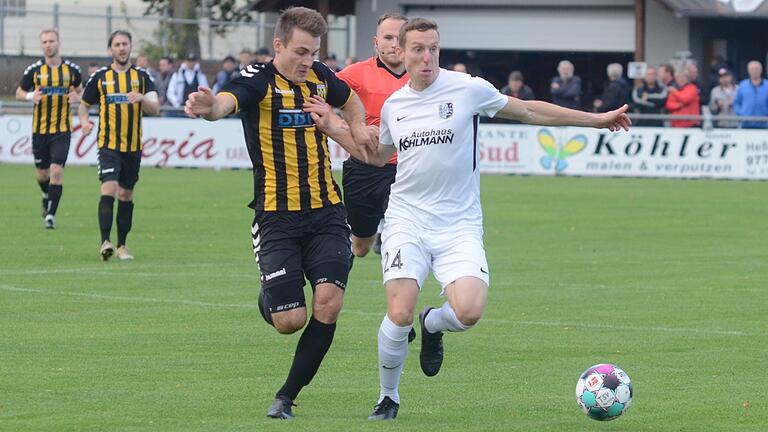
x=385 y=41
x=295 y=58
x=120 y=49
x=421 y=56
x=49 y=42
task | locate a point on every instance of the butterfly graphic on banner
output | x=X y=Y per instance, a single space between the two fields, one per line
x=556 y=153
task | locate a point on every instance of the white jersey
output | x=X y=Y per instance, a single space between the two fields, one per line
x=434 y=132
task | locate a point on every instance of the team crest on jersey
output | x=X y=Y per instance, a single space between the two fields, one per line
x=135 y=85
x=446 y=110
x=321 y=90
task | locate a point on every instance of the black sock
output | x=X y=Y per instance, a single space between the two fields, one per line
x=124 y=220
x=106 y=204
x=312 y=346
x=54 y=195
x=44 y=187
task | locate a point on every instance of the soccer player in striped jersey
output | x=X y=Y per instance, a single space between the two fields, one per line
x=51 y=84
x=300 y=228
x=366 y=187
x=124 y=93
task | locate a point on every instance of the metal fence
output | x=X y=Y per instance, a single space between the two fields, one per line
x=706 y=121
x=84 y=29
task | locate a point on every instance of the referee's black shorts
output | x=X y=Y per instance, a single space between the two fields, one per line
x=50 y=148
x=292 y=245
x=366 y=194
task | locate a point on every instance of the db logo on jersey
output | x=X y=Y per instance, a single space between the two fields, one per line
x=446 y=110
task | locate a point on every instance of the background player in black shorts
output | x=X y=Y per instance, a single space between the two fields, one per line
x=299 y=229
x=124 y=93
x=52 y=84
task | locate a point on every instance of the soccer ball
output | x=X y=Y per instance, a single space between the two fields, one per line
x=604 y=392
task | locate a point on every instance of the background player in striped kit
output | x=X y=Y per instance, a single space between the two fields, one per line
x=51 y=84
x=123 y=92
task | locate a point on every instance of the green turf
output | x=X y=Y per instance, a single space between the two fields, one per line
x=665 y=278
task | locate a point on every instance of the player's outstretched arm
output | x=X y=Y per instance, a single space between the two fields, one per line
x=203 y=103
x=547 y=114
x=336 y=128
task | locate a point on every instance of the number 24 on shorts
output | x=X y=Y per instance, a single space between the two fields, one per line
x=397 y=262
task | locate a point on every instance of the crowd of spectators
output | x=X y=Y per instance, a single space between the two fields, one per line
x=664 y=90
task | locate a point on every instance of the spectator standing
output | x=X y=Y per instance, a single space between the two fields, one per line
x=459 y=67
x=163 y=79
x=246 y=58
x=332 y=64
x=684 y=100
x=752 y=96
x=516 y=87
x=650 y=98
x=263 y=55
x=616 y=92
x=721 y=99
x=185 y=81
x=226 y=73
x=142 y=61
x=667 y=75
x=566 y=87
x=693 y=73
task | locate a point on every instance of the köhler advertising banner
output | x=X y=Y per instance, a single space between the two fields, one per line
x=501 y=149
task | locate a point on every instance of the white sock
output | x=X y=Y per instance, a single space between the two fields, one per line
x=393 y=348
x=444 y=319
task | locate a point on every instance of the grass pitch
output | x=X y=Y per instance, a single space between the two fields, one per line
x=665 y=278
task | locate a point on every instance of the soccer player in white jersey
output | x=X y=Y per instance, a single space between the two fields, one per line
x=434 y=219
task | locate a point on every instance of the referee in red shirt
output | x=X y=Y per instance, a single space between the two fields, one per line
x=366 y=187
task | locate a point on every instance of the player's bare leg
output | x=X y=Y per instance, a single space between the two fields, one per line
x=466 y=301
x=361 y=245
x=402 y=295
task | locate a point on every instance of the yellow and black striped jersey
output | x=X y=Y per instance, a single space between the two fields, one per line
x=119 y=120
x=51 y=114
x=291 y=162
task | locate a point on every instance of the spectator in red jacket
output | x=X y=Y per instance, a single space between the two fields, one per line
x=684 y=100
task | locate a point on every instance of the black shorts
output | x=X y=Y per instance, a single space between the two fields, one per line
x=122 y=167
x=50 y=148
x=292 y=245
x=366 y=194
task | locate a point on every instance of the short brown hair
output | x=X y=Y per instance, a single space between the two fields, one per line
x=305 y=19
x=50 y=30
x=668 y=67
x=391 y=15
x=417 y=24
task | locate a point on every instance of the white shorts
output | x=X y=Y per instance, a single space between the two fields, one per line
x=451 y=253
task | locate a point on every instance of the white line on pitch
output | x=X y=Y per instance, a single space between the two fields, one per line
x=381 y=314
x=124 y=298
